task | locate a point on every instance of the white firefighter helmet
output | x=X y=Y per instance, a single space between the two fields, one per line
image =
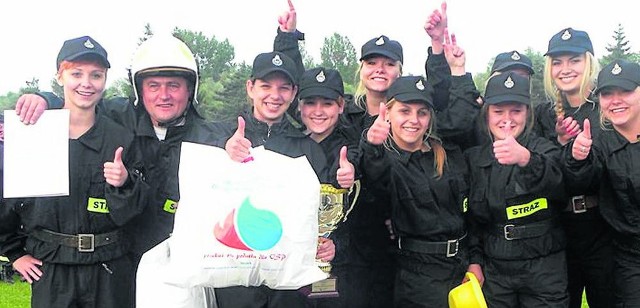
x=163 y=55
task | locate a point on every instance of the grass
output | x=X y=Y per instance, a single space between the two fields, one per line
x=15 y=295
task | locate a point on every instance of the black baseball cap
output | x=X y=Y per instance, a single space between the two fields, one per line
x=619 y=73
x=511 y=60
x=275 y=61
x=322 y=82
x=79 y=47
x=507 y=88
x=383 y=46
x=409 y=89
x=569 y=41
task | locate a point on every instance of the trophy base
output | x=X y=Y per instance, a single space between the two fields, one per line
x=324 y=288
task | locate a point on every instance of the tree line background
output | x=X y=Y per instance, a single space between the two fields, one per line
x=222 y=95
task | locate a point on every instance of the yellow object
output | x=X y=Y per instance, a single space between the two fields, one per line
x=468 y=294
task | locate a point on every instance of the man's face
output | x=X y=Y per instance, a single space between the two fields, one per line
x=165 y=98
x=2 y=132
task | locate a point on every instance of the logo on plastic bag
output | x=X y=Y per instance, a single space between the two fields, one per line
x=249 y=228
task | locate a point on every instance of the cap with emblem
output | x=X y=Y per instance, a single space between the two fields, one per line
x=409 y=89
x=507 y=88
x=383 y=46
x=511 y=60
x=569 y=41
x=82 y=47
x=321 y=82
x=270 y=62
x=619 y=73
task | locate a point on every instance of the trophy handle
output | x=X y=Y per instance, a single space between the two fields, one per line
x=356 y=188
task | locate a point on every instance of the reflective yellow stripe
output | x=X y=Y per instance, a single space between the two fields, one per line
x=465 y=205
x=522 y=210
x=329 y=189
x=170 y=206
x=97 y=205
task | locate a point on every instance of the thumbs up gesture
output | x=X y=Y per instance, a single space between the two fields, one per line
x=238 y=146
x=346 y=171
x=582 y=144
x=379 y=130
x=508 y=151
x=114 y=172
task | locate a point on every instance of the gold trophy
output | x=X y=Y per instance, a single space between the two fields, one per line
x=333 y=210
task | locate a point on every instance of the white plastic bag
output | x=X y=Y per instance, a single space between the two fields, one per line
x=244 y=224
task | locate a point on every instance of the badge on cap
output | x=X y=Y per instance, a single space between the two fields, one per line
x=88 y=44
x=616 y=69
x=515 y=56
x=320 y=77
x=420 y=85
x=566 y=35
x=380 y=41
x=276 y=60
x=509 y=83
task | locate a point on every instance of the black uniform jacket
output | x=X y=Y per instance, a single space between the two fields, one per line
x=614 y=164
x=502 y=195
x=76 y=213
x=423 y=205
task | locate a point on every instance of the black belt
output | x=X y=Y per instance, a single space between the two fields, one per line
x=580 y=204
x=448 y=248
x=515 y=232
x=84 y=242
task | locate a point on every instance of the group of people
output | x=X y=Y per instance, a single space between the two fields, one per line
x=540 y=203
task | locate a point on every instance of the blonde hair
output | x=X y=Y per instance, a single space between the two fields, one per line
x=430 y=140
x=587 y=83
x=361 y=90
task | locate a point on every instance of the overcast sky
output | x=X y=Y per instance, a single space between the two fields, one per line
x=33 y=31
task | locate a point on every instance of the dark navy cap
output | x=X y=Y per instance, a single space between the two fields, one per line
x=507 y=88
x=409 y=89
x=511 y=60
x=275 y=61
x=84 y=46
x=321 y=82
x=619 y=73
x=569 y=41
x=383 y=46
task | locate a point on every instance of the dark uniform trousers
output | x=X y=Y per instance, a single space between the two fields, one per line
x=259 y=297
x=627 y=272
x=589 y=259
x=540 y=282
x=99 y=285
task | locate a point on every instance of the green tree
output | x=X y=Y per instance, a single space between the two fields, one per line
x=338 y=53
x=619 y=49
x=225 y=99
x=214 y=57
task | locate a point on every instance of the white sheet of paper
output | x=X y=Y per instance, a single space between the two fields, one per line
x=36 y=157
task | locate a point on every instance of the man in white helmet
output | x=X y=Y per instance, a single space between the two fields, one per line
x=164 y=76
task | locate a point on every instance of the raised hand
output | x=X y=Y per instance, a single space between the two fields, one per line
x=454 y=54
x=566 y=128
x=238 y=146
x=436 y=23
x=346 y=171
x=582 y=144
x=30 y=107
x=508 y=151
x=288 y=19
x=28 y=267
x=115 y=172
x=379 y=130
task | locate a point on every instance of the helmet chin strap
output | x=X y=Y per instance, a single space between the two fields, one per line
x=175 y=122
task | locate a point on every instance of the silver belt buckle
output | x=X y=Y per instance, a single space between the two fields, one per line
x=507 y=232
x=452 y=248
x=579 y=204
x=86 y=242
